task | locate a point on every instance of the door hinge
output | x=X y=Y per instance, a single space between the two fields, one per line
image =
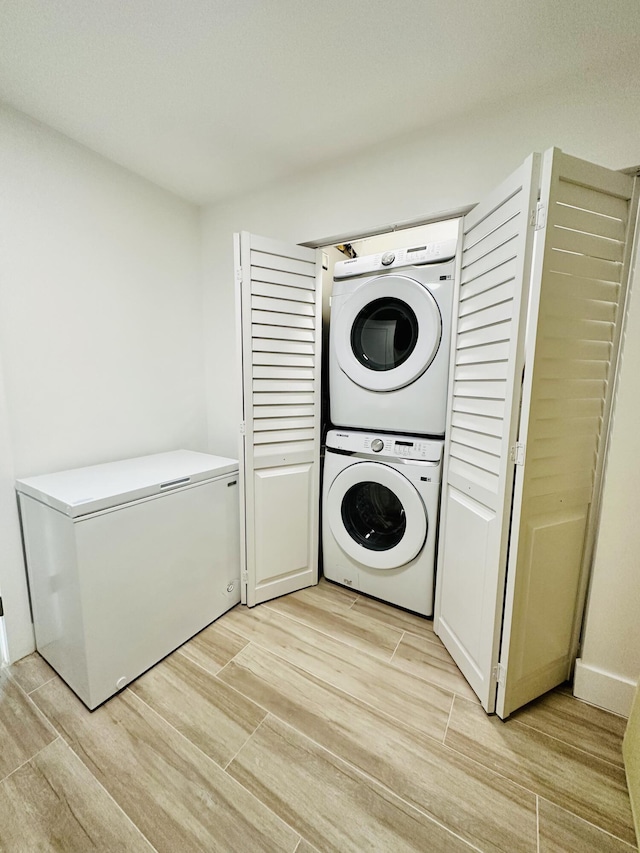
x=499 y=674
x=243 y=428
x=541 y=216
x=238 y=273
x=245 y=577
x=517 y=453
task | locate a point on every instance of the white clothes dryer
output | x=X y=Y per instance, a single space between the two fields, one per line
x=380 y=515
x=389 y=339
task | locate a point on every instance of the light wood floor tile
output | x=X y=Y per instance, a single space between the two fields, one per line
x=480 y=806
x=333 y=593
x=302 y=700
x=31 y=672
x=592 y=729
x=54 y=803
x=23 y=731
x=387 y=688
x=305 y=847
x=353 y=628
x=328 y=802
x=213 y=647
x=432 y=662
x=179 y=798
x=590 y=788
x=561 y=831
x=396 y=618
x=205 y=710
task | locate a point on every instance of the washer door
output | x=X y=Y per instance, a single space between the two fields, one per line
x=376 y=515
x=387 y=333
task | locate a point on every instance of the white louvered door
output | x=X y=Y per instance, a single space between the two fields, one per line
x=578 y=283
x=533 y=355
x=492 y=292
x=279 y=306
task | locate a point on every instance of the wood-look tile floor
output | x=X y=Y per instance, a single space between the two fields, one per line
x=322 y=721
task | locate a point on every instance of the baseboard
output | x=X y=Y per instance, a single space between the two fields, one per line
x=605 y=689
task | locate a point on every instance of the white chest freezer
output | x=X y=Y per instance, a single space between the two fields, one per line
x=128 y=560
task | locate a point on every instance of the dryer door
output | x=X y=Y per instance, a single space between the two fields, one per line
x=376 y=515
x=387 y=333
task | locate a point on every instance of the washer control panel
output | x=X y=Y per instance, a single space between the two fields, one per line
x=386 y=446
x=429 y=253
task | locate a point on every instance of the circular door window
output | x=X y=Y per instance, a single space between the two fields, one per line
x=376 y=515
x=387 y=332
x=373 y=516
x=384 y=334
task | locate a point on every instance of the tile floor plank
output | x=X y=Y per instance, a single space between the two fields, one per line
x=205 y=710
x=561 y=831
x=432 y=662
x=213 y=647
x=31 y=672
x=305 y=847
x=179 y=798
x=53 y=802
x=334 y=594
x=575 y=722
x=481 y=807
x=396 y=618
x=23 y=731
x=328 y=802
x=348 y=626
x=422 y=705
x=296 y=699
x=590 y=788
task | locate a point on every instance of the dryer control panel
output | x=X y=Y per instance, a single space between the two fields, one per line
x=429 y=253
x=386 y=446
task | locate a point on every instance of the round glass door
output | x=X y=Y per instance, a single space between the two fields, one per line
x=384 y=334
x=373 y=516
x=387 y=332
x=376 y=515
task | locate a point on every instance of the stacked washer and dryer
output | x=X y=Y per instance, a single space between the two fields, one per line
x=388 y=375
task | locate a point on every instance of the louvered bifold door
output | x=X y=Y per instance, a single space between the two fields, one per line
x=580 y=266
x=485 y=384
x=280 y=333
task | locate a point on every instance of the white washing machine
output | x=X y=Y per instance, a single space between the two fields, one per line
x=389 y=338
x=380 y=515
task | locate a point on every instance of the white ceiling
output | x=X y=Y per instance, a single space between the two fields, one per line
x=211 y=98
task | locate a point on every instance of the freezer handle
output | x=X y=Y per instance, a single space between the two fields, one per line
x=171 y=484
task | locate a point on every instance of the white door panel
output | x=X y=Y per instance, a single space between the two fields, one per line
x=279 y=305
x=462 y=584
x=537 y=335
x=578 y=288
x=494 y=260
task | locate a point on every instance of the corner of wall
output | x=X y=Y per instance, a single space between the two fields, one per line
x=607 y=690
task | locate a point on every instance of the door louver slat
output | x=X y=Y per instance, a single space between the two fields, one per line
x=281 y=277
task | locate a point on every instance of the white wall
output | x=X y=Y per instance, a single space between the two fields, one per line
x=101 y=335
x=609 y=665
x=446 y=169
x=450 y=167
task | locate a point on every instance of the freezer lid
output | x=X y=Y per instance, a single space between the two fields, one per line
x=85 y=490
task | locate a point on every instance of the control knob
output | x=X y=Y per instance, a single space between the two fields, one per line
x=388 y=258
x=377 y=444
